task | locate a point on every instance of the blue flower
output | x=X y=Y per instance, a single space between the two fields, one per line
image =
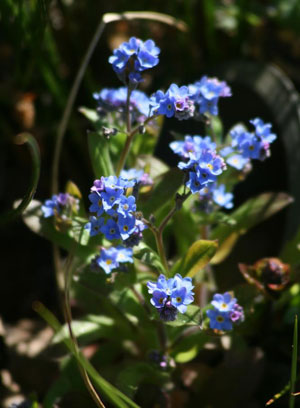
x=94 y=225
x=223 y=303
x=114 y=100
x=126 y=205
x=50 y=207
x=222 y=198
x=225 y=312
x=253 y=145
x=110 y=229
x=171 y=295
x=263 y=130
x=62 y=205
x=126 y=226
x=110 y=198
x=124 y=254
x=192 y=146
x=97 y=205
x=108 y=259
x=175 y=101
x=206 y=94
x=219 y=320
x=237 y=161
x=133 y=57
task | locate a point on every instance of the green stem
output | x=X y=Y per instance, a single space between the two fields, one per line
x=130 y=136
x=160 y=328
x=161 y=249
x=70 y=103
x=68 y=317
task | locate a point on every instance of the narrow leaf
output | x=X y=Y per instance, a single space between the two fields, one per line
x=196 y=258
x=225 y=248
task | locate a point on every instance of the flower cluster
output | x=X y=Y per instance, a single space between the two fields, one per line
x=171 y=295
x=175 y=101
x=206 y=93
x=111 y=100
x=114 y=211
x=255 y=145
x=225 y=312
x=203 y=163
x=111 y=258
x=62 y=205
x=133 y=57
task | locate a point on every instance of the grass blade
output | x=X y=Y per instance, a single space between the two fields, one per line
x=294 y=364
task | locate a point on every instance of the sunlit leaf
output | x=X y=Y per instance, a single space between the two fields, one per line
x=198 y=255
x=99 y=154
x=145 y=254
x=164 y=191
x=192 y=317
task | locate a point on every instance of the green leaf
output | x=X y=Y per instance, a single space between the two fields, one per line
x=152 y=165
x=186 y=356
x=99 y=154
x=90 y=328
x=192 y=317
x=34 y=220
x=165 y=188
x=249 y=214
x=291 y=251
x=118 y=399
x=197 y=256
x=225 y=248
x=148 y=256
x=90 y=114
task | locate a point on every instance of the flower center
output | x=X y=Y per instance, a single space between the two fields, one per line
x=112 y=231
x=108 y=261
x=125 y=228
x=178 y=299
x=220 y=319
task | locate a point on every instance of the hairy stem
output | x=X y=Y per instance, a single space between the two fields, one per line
x=130 y=136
